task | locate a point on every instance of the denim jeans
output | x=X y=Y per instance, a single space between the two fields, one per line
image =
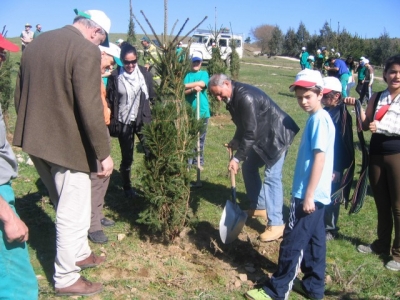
x=203 y=133
x=268 y=194
x=17 y=278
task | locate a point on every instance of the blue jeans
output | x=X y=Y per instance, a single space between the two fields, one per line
x=269 y=194
x=17 y=279
x=203 y=133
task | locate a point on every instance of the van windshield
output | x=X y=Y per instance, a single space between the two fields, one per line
x=199 y=39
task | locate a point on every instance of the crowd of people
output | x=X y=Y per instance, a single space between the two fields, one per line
x=79 y=112
x=331 y=64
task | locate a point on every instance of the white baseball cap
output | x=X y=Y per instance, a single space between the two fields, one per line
x=119 y=41
x=114 y=51
x=332 y=84
x=303 y=48
x=197 y=56
x=307 y=79
x=100 y=18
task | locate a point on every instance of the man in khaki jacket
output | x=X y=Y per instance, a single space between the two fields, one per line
x=60 y=124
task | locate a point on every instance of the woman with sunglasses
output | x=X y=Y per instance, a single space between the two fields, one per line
x=131 y=88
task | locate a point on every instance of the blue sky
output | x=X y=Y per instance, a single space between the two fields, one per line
x=367 y=18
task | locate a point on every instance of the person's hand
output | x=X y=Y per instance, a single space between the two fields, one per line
x=308 y=205
x=107 y=167
x=147 y=66
x=233 y=144
x=16 y=230
x=233 y=166
x=335 y=176
x=373 y=126
x=197 y=89
x=349 y=100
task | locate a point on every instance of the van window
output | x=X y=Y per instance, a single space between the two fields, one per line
x=199 y=39
x=223 y=43
x=238 y=43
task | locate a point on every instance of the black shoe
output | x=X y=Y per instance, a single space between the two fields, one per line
x=131 y=193
x=107 y=222
x=98 y=237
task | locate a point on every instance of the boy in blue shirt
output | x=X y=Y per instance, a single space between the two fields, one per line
x=196 y=81
x=304 y=243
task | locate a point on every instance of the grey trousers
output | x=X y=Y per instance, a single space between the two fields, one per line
x=99 y=190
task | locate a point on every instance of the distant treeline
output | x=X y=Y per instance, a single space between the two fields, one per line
x=273 y=41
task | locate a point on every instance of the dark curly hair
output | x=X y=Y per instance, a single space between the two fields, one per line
x=391 y=61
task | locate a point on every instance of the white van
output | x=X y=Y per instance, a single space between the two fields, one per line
x=202 y=41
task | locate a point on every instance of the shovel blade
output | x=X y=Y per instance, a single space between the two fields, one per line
x=231 y=222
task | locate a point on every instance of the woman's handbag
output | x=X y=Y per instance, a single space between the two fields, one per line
x=114 y=127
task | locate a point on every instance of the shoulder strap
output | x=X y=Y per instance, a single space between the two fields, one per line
x=378 y=96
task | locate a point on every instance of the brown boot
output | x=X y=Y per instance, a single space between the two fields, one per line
x=257 y=213
x=91 y=261
x=272 y=233
x=82 y=287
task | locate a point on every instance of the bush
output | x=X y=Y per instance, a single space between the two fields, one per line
x=6 y=88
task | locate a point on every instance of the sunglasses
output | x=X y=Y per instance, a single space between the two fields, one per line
x=130 y=62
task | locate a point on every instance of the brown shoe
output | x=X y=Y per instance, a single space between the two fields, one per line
x=257 y=213
x=91 y=261
x=82 y=287
x=272 y=233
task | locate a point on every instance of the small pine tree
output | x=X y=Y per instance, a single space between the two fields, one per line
x=131 y=39
x=234 y=67
x=215 y=66
x=170 y=138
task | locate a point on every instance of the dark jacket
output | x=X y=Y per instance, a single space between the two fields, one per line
x=144 y=113
x=344 y=148
x=58 y=103
x=260 y=124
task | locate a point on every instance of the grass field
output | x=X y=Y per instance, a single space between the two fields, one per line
x=198 y=265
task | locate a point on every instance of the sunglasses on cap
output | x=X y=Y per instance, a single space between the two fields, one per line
x=130 y=62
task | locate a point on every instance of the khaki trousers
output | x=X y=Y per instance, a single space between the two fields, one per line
x=70 y=193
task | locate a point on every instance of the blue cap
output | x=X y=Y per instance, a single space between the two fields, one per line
x=197 y=56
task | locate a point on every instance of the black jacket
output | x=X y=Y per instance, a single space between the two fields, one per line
x=144 y=113
x=260 y=124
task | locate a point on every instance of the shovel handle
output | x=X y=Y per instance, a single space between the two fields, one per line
x=233 y=180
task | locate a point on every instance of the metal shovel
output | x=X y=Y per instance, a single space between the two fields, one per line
x=233 y=218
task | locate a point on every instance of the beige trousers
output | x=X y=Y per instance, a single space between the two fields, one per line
x=70 y=192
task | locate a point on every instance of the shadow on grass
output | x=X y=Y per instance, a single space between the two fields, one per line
x=42 y=234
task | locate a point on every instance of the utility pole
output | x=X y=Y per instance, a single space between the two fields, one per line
x=215 y=26
x=165 y=21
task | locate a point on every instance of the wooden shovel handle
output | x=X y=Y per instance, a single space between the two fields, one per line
x=233 y=181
